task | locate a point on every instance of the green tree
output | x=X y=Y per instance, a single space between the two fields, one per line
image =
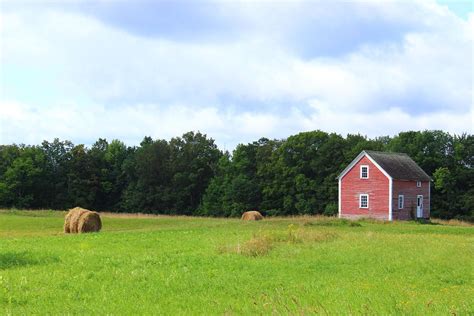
x=304 y=172
x=58 y=156
x=20 y=184
x=149 y=176
x=194 y=159
x=82 y=181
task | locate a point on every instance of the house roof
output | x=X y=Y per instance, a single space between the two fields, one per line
x=397 y=165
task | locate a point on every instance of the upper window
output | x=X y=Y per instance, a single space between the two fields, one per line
x=401 y=201
x=418 y=184
x=364 y=172
x=364 y=201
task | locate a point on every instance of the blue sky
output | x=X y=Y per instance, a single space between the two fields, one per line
x=238 y=71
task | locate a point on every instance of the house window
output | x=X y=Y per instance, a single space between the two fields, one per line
x=364 y=201
x=401 y=201
x=364 y=172
x=418 y=184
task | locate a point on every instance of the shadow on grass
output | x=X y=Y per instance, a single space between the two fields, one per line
x=11 y=260
x=426 y=222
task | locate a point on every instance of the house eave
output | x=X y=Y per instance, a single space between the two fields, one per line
x=351 y=165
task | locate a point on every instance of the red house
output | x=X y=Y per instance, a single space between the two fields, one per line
x=384 y=185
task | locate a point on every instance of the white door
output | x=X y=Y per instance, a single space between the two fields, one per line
x=419 y=206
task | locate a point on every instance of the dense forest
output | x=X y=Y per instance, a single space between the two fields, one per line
x=190 y=175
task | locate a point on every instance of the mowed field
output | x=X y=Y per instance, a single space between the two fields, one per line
x=189 y=265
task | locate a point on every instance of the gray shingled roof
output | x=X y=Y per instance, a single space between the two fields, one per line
x=398 y=165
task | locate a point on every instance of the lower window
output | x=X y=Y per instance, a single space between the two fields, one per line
x=363 y=201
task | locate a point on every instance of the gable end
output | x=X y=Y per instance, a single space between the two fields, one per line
x=356 y=160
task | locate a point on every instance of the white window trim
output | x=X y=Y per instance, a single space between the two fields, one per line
x=403 y=201
x=360 y=171
x=418 y=184
x=360 y=200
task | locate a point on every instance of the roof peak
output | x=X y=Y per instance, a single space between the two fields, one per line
x=385 y=152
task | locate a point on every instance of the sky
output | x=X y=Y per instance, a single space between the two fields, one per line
x=234 y=70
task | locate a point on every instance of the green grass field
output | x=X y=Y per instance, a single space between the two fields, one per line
x=185 y=265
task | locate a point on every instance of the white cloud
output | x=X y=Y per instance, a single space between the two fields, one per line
x=85 y=124
x=116 y=84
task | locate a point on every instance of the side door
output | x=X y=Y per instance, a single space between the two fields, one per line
x=419 y=206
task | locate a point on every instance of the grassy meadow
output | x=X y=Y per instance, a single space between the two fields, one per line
x=189 y=265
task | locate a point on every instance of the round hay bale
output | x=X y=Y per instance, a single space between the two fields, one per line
x=71 y=219
x=252 y=216
x=74 y=219
x=67 y=223
x=89 y=222
x=78 y=220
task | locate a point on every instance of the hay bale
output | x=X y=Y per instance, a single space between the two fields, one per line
x=89 y=222
x=79 y=220
x=77 y=212
x=70 y=221
x=252 y=216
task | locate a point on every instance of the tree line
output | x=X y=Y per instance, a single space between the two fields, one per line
x=190 y=175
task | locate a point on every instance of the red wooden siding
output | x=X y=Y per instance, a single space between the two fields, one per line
x=377 y=187
x=410 y=191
